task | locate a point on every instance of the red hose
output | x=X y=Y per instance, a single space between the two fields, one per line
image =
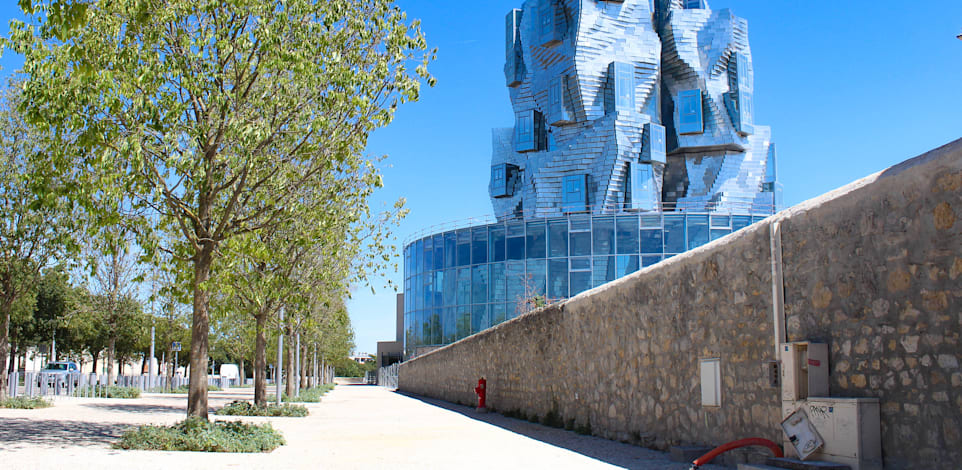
x=751 y=441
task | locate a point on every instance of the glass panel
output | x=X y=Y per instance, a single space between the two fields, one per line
x=651 y=241
x=450 y=287
x=496 y=282
x=718 y=233
x=580 y=243
x=515 y=244
x=464 y=286
x=514 y=277
x=435 y=327
x=757 y=218
x=627 y=264
x=535 y=278
x=557 y=278
x=537 y=242
x=463 y=321
x=479 y=284
x=438 y=252
x=428 y=254
x=496 y=243
x=697 y=230
x=649 y=260
x=721 y=221
x=581 y=264
x=740 y=222
x=439 y=287
x=498 y=314
x=418 y=328
x=479 y=245
x=579 y=223
x=428 y=290
x=626 y=229
x=579 y=282
x=419 y=256
x=603 y=270
x=479 y=318
x=557 y=238
x=464 y=247
x=450 y=249
x=449 y=325
x=651 y=221
x=418 y=286
x=603 y=232
x=674 y=234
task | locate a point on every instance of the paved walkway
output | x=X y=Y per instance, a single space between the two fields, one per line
x=354 y=427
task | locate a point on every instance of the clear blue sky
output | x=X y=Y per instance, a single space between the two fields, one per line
x=849 y=88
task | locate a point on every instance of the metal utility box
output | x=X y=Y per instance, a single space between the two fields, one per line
x=851 y=430
x=804 y=370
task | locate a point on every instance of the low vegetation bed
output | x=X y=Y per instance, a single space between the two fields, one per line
x=311 y=395
x=25 y=403
x=244 y=408
x=200 y=435
x=185 y=389
x=111 y=391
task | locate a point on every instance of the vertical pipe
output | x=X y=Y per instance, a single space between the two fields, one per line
x=150 y=364
x=280 y=360
x=778 y=286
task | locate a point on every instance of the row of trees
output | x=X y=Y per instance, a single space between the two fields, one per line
x=224 y=139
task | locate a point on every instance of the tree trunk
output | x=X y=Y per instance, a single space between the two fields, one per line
x=291 y=348
x=304 y=384
x=260 y=362
x=110 y=360
x=95 y=356
x=199 y=332
x=5 y=308
x=13 y=358
x=242 y=374
x=171 y=367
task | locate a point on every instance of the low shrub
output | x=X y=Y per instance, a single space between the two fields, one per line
x=200 y=435
x=186 y=388
x=244 y=408
x=111 y=391
x=311 y=395
x=25 y=403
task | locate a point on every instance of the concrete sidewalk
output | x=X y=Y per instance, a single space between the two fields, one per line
x=354 y=427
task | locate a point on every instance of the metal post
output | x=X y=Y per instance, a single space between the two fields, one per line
x=150 y=365
x=280 y=359
x=298 y=369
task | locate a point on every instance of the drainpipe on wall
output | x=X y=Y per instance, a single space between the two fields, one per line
x=778 y=286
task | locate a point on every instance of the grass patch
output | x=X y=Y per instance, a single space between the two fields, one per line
x=244 y=408
x=112 y=391
x=311 y=395
x=200 y=435
x=25 y=403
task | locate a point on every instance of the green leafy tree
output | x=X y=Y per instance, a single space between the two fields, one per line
x=208 y=117
x=36 y=226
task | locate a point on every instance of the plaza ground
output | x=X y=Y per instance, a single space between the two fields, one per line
x=354 y=427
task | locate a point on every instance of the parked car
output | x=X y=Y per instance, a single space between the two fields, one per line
x=57 y=369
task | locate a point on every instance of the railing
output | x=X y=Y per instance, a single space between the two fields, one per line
x=95 y=385
x=730 y=206
x=387 y=376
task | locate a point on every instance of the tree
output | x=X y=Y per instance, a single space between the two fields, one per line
x=36 y=225
x=211 y=116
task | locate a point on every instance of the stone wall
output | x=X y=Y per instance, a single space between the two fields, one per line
x=872 y=269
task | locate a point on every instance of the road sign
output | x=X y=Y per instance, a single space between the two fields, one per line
x=175 y=346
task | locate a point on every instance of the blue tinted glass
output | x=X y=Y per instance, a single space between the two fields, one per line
x=407 y=261
x=603 y=231
x=464 y=286
x=498 y=314
x=435 y=327
x=496 y=282
x=581 y=264
x=651 y=241
x=417 y=284
x=428 y=290
x=439 y=251
x=626 y=229
x=557 y=278
x=627 y=264
x=479 y=245
x=428 y=253
x=537 y=242
x=602 y=270
x=697 y=230
x=515 y=278
x=408 y=296
x=557 y=238
x=416 y=327
x=717 y=233
x=758 y=218
x=536 y=277
x=479 y=284
x=450 y=287
x=649 y=260
x=496 y=243
x=580 y=243
x=479 y=318
x=439 y=286
x=450 y=249
x=516 y=248
x=579 y=282
x=651 y=221
x=449 y=326
x=721 y=221
x=463 y=325
x=690 y=118
x=674 y=234
x=464 y=247
x=419 y=256
x=740 y=222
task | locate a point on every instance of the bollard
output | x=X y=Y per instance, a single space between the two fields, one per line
x=482 y=392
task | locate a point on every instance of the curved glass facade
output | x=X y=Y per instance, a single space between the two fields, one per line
x=459 y=282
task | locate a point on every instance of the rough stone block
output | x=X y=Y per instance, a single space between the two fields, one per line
x=688 y=453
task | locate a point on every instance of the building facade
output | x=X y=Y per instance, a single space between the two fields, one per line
x=633 y=141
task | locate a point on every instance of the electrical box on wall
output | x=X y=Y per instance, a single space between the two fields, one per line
x=804 y=370
x=850 y=428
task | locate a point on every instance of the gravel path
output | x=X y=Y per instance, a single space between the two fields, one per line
x=355 y=427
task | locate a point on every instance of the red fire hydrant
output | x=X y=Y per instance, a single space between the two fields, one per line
x=481 y=390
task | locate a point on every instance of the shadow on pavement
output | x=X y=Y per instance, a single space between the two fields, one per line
x=15 y=432
x=140 y=408
x=636 y=458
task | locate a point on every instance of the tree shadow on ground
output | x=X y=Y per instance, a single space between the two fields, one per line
x=21 y=432
x=140 y=408
x=612 y=452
